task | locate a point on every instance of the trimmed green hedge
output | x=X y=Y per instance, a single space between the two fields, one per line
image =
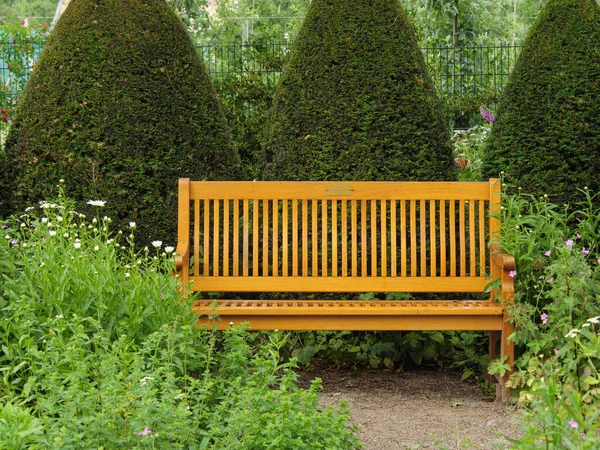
x=546 y=136
x=355 y=101
x=119 y=105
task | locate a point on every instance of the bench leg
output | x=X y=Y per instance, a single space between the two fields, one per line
x=506 y=349
x=493 y=352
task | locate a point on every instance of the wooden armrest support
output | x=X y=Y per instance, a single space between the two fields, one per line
x=506 y=264
x=182 y=256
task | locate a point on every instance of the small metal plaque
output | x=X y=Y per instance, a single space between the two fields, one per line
x=339 y=190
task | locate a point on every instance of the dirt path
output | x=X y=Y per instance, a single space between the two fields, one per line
x=418 y=410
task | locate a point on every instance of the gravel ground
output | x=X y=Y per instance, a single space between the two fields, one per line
x=418 y=410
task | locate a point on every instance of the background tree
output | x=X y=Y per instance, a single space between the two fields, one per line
x=546 y=135
x=120 y=106
x=355 y=101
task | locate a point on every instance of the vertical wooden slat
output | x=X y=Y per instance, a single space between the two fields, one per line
x=393 y=249
x=324 y=265
x=236 y=238
x=413 y=238
x=255 y=227
x=472 y=238
x=433 y=239
x=216 y=240
x=295 y=219
x=363 y=238
x=452 y=238
x=245 y=243
x=374 y=238
x=403 y=236
x=383 y=238
x=344 y=238
x=354 y=226
x=482 y=251
x=443 y=263
x=226 y=238
x=423 y=237
x=196 y=238
x=285 y=238
x=462 y=238
x=315 y=240
x=494 y=226
x=265 y=243
x=206 y=232
x=334 y=239
x=275 y=263
x=304 y=238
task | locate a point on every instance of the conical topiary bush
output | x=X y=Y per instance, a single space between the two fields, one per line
x=355 y=101
x=546 y=136
x=119 y=105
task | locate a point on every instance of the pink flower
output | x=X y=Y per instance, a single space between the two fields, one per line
x=577 y=235
x=145 y=432
x=569 y=244
x=556 y=351
x=544 y=318
x=486 y=115
x=490 y=423
x=512 y=273
x=548 y=253
x=585 y=251
x=550 y=280
x=573 y=424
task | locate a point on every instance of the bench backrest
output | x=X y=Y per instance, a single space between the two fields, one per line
x=338 y=236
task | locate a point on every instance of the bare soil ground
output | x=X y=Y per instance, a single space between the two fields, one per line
x=418 y=410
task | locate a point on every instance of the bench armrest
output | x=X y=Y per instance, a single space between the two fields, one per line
x=502 y=266
x=182 y=257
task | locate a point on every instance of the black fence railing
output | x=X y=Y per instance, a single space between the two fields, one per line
x=456 y=71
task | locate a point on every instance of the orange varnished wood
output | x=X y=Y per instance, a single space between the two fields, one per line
x=265 y=238
x=255 y=235
x=236 y=238
x=226 y=238
x=275 y=238
x=295 y=252
x=339 y=284
x=462 y=239
x=432 y=239
x=363 y=190
x=383 y=245
x=246 y=238
x=373 y=224
x=353 y=220
x=472 y=251
x=344 y=238
x=334 y=239
x=431 y=207
x=206 y=233
x=304 y=238
x=216 y=240
x=413 y=238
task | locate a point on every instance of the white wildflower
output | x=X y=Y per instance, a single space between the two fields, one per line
x=96 y=248
x=127 y=274
x=156 y=244
x=66 y=235
x=52 y=233
x=169 y=249
x=594 y=319
x=59 y=218
x=77 y=245
x=96 y=203
x=131 y=224
x=23 y=225
x=44 y=220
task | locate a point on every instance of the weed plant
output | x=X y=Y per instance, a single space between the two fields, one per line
x=556 y=314
x=99 y=350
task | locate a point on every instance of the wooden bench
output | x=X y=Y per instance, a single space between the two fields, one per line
x=347 y=237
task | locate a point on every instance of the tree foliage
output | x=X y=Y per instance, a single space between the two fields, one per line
x=546 y=136
x=355 y=101
x=120 y=106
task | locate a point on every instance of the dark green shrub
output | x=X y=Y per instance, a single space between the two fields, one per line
x=120 y=106
x=546 y=136
x=355 y=101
